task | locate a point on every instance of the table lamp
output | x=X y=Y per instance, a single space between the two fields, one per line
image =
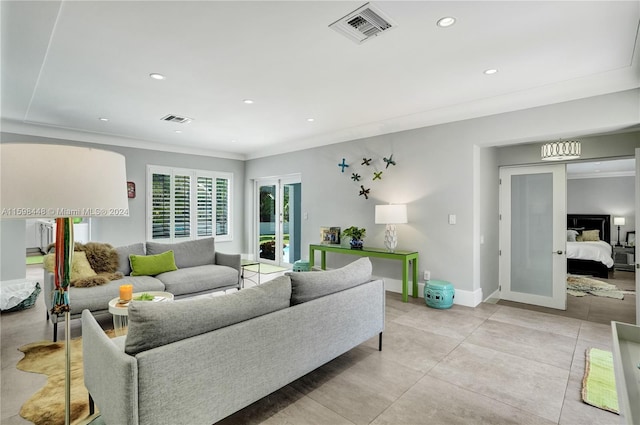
x=618 y=221
x=61 y=182
x=391 y=215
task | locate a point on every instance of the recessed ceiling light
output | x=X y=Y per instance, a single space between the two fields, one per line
x=157 y=76
x=311 y=119
x=447 y=21
x=248 y=101
x=177 y=131
x=490 y=71
x=234 y=141
x=104 y=119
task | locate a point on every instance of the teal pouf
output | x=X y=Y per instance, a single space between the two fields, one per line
x=301 y=266
x=439 y=294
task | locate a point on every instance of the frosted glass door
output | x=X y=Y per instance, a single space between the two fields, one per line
x=533 y=235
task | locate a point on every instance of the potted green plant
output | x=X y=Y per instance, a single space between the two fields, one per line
x=355 y=234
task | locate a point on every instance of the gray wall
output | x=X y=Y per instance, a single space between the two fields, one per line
x=126 y=230
x=441 y=170
x=12 y=258
x=610 y=195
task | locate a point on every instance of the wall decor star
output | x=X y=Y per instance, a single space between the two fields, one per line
x=343 y=164
x=366 y=161
x=377 y=176
x=355 y=177
x=364 y=192
x=389 y=161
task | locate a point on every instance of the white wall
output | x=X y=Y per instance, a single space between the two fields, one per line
x=611 y=195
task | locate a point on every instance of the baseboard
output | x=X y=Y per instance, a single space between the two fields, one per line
x=494 y=296
x=462 y=297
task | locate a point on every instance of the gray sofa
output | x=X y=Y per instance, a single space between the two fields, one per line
x=201 y=270
x=198 y=360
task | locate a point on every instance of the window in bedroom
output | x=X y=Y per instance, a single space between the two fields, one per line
x=185 y=204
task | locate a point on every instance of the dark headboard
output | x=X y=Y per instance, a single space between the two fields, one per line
x=600 y=222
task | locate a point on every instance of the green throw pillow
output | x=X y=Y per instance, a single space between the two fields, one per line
x=151 y=265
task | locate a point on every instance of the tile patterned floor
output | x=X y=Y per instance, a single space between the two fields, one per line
x=491 y=364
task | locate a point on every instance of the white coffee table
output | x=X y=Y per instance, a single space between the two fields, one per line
x=120 y=311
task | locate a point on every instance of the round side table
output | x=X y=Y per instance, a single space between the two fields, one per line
x=120 y=311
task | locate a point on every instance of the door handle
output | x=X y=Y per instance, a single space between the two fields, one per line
x=559 y=252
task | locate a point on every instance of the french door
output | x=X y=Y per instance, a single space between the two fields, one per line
x=279 y=220
x=533 y=223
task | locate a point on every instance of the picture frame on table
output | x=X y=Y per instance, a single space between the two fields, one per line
x=631 y=238
x=330 y=235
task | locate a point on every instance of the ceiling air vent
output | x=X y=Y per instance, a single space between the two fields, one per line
x=176 y=118
x=363 y=23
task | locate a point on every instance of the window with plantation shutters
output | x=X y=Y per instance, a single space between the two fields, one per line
x=205 y=206
x=222 y=206
x=188 y=204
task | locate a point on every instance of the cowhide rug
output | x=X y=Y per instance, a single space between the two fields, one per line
x=46 y=406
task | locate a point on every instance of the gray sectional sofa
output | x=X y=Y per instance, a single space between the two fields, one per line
x=201 y=270
x=198 y=360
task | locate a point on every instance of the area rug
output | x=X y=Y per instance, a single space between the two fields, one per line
x=265 y=268
x=580 y=286
x=599 y=384
x=46 y=406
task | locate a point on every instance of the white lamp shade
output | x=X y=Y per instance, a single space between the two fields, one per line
x=45 y=181
x=391 y=214
x=618 y=221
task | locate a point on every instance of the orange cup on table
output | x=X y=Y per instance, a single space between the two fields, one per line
x=126 y=292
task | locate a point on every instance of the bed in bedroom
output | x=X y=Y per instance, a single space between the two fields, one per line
x=593 y=255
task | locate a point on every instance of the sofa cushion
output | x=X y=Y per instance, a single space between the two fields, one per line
x=198 y=279
x=306 y=286
x=96 y=298
x=123 y=256
x=151 y=265
x=189 y=253
x=156 y=324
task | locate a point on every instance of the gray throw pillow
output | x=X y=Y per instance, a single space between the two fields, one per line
x=306 y=286
x=155 y=324
x=123 y=256
x=199 y=252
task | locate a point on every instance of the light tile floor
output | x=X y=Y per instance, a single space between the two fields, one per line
x=491 y=364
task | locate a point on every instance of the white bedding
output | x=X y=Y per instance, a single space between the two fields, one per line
x=595 y=251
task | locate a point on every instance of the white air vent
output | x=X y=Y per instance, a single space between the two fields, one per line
x=176 y=118
x=363 y=23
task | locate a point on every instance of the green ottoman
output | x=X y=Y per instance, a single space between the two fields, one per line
x=439 y=294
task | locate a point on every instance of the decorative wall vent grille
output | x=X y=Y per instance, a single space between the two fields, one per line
x=363 y=23
x=176 y=118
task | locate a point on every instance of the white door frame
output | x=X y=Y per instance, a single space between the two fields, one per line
x=637 y=229
x=558 y=256
x=278 y=182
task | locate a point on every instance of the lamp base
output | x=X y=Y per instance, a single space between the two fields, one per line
x=390 y=237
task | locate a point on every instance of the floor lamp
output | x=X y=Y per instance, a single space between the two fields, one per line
x=61 y=182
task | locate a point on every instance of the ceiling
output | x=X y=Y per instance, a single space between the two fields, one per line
x=600 y=169
x=67 y=64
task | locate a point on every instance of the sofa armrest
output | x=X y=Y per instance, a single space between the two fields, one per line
x=230 y=260
x=110 y=375
x=48 y=286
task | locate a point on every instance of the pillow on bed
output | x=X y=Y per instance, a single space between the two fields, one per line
x=571 y=235
x=590 y=235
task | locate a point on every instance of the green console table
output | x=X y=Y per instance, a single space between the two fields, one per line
x=405 y=256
